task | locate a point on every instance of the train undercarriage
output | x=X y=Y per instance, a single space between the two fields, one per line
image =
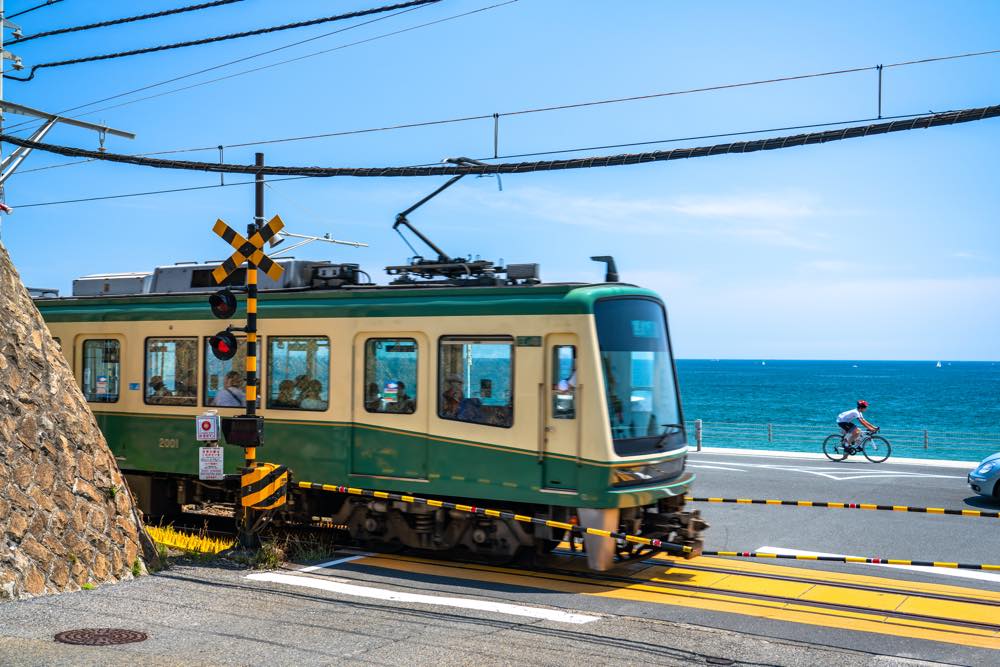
x=396 y=524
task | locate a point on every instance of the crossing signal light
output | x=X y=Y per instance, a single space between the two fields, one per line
x=223 y=345
x=223 y=304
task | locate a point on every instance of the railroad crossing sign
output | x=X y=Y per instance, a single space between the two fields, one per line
x=248 y=249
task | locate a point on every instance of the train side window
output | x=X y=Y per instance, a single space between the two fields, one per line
x=225 y=381
x=476 y=380
x=391 y=375
x=564 y=382
x=101 y=370
x=171 y=371
x=298 y=372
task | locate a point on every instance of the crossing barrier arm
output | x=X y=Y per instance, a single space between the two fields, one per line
x=984 y=514
x=668 y=547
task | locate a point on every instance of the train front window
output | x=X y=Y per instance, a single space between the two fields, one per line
x=639 y=379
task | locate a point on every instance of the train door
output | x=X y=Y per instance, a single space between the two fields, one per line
x=561 y=433
x=392 y=401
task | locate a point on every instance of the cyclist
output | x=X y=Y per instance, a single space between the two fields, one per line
x=845 y=420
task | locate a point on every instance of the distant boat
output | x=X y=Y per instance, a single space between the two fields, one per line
x=763 y=363
x=939 y=364
x=854 y=366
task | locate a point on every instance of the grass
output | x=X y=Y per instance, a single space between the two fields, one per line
x=274 y=552
x=167 y=536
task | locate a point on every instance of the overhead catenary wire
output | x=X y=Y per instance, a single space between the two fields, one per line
x=772 y=143
x=220 y=38
x=717 y=135
x=128 y=19
x=560 y=107
x=264 y=67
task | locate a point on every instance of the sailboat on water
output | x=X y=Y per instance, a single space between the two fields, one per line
x=939 y=364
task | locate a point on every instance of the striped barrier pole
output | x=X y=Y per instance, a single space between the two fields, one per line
x=635 y=539
x=499 y=514
x=848 y=506
x=855 y=559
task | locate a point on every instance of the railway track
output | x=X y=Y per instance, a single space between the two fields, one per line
x=941 y=613
x=804 y=595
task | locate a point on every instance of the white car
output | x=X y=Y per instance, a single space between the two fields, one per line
x=985 y=479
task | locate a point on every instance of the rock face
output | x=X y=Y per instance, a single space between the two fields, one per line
x=67 y=517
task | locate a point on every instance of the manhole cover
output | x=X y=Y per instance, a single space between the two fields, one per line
x=100 y=636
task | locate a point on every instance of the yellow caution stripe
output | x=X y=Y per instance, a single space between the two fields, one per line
x=264 y=486
x=854 y=559
x=500 y=514
x=984 y=514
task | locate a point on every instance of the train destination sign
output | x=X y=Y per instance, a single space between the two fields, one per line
x=248 y=249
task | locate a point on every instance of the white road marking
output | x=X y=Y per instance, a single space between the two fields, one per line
x=770 y=453
x=344 y=588
x=840 y=474
x=698 y=465
x=965 y=574
x=321 y=566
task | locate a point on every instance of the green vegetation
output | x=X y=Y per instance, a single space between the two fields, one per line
x=87 y=586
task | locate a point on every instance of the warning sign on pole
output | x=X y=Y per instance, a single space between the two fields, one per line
x=210 y=463
x=207 y=427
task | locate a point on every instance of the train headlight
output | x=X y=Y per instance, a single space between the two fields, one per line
x=649 y=473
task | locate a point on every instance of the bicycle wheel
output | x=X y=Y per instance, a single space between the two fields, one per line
x=877 y=449
x=833 y=447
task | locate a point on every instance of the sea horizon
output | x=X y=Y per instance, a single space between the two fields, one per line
x=793 y=404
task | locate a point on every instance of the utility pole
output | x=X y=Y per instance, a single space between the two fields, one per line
x=9 y=164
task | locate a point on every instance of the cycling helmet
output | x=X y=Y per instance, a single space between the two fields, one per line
x=862 y=404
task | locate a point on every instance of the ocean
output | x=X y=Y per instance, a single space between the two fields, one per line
x=954 y=410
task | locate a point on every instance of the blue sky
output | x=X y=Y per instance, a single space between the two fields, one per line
x=880 y=248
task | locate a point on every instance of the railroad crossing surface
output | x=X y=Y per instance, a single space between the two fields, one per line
x=389 y=609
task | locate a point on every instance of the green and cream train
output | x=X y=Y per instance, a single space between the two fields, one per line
x=558 y=400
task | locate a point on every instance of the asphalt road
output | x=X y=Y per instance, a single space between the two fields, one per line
x=210 y=615
x=882 y=534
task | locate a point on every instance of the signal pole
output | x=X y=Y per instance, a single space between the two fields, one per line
x=247 y=538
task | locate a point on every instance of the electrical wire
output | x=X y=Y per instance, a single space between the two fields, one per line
x=31 y=9
x=292 y=178
x=510 y=156
x=220 y=38
x=772 y=143
x=155 y=192
x=129 y=19
x=576 y=105
x=22 y=124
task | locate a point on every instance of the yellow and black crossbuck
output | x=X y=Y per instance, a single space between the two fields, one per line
x=248 y=249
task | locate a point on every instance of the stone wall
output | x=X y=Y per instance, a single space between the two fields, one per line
x=66 y=515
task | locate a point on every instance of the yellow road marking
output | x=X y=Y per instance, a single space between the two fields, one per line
x=683 y=593
x=892 y=585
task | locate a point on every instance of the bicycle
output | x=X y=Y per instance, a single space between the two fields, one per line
x=875 y=448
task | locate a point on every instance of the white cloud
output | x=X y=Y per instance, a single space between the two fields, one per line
x=755 y=207
x=776 y=219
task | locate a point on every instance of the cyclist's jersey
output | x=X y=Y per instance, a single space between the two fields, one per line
x=849 y=416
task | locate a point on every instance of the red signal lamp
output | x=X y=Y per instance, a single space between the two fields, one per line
x=224 y=345
x=223 y=304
